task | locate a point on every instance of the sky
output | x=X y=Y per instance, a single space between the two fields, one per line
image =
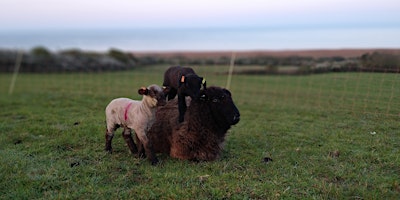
x=270 y=24
x=92 y=14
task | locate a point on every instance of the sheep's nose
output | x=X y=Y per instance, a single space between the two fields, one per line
x=236 y=119
x=195 y=96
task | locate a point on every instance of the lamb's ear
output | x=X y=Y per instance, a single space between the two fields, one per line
x=166 y=89
x=182 y=80
x=203 y=81
x=143 y=91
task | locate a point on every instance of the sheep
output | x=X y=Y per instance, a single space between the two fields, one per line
x=201 y=136
x=134 y=115
x=184 y=82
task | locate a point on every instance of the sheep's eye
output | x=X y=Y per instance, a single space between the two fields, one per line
x=215 y=100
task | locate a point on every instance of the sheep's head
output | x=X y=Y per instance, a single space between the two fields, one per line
x=155 y=94
x=220 y=101
x=190 y=85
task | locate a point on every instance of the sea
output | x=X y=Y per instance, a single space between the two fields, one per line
x=201 y=39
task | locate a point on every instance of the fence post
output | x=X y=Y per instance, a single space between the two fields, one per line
x=230 y=72
x=16 y=71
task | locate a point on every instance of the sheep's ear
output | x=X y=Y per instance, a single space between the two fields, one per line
x=227 y=91
x=143 y=91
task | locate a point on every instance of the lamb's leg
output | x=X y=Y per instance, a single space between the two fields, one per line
x=181 y=107
x=148 y=147
x=110 y=129
x=109 y=137
x=141 y=153
x=129 y=140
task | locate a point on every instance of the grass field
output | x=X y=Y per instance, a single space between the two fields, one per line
x=330 y=136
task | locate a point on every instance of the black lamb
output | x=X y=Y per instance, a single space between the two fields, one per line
x=184 y=82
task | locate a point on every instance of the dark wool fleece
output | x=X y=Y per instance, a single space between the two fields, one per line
x=200 y=137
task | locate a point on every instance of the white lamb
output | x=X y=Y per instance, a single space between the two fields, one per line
x=135 y=115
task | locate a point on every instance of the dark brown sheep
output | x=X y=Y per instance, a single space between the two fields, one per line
x=200 y=137
x=184 y=82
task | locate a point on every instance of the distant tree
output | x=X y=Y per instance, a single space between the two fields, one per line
x=378 y=60
x=272 y=69
x=42 y=61
x=72 y=52
x=41 y=52
x=121 y=56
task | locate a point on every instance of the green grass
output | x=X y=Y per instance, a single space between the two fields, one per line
x=52 y=130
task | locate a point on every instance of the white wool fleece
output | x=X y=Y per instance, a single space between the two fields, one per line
x=136 y=115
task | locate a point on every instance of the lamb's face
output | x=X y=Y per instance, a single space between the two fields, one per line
x=157 y=93
x=191 y=85
x=221 y=103
x=154 y=94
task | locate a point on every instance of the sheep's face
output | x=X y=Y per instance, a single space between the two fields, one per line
x=221 y=105
x=156 y=94
x=190 y=85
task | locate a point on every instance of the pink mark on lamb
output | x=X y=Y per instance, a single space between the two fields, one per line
x=126 y=111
